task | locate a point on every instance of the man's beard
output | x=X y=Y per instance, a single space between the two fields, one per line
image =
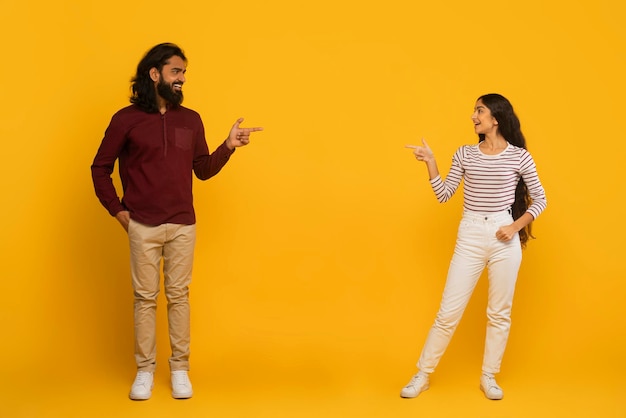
x=167 y=92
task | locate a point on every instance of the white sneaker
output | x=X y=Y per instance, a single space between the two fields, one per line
x=418 y=384
x=490 y=387
x=142 y=386
x=181 y=386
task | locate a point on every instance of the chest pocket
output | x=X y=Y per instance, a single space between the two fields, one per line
x=183 y=138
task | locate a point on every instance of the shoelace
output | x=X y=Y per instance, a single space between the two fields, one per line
x=142 y=378
x=415 y=379
x=181 y=379
x=491 y=383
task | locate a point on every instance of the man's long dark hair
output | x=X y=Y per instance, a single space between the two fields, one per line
x=509 y=127
x=142 y=87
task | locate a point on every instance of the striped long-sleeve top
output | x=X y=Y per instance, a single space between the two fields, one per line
x=490 y=180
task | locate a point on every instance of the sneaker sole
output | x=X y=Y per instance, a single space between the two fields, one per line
x=402 y=395
x=182 y=395
x=139 y=397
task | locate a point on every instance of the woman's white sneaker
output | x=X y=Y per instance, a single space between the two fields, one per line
x=491 y=389
x=418 y=384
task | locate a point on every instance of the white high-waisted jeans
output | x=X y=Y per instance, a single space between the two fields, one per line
x=477 y=247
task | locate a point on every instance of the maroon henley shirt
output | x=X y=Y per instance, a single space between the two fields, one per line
x=157 y=154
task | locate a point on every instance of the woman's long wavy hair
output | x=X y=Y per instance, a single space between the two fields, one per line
x=509 y=128
x=143 y=92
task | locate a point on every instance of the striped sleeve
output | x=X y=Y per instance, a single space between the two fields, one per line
x=528 y=171
x=445 y=189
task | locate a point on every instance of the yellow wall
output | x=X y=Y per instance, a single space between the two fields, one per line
x=321 y=251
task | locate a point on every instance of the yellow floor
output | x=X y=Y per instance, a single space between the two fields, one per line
x=312 y=393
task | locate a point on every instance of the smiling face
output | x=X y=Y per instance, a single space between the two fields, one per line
x=484 y=122
x=169 y=81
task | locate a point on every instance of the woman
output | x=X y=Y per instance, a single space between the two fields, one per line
x=502 y=196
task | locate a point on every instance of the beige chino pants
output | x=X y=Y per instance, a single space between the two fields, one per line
x=174 y=244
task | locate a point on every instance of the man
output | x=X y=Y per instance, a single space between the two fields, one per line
x=159 y=143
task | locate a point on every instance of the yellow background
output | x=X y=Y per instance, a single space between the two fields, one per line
x=322 y=251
